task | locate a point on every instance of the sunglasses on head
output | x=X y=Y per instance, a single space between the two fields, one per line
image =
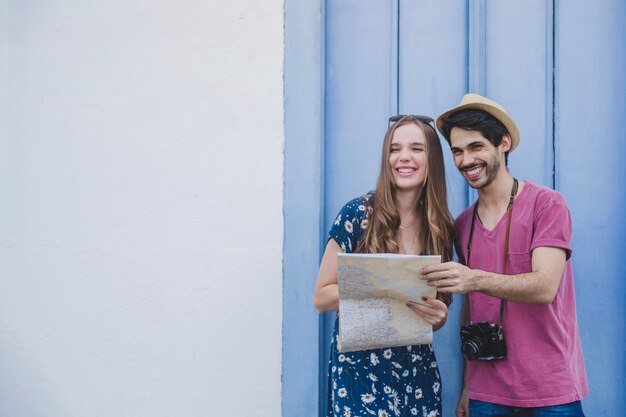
x=424 y=119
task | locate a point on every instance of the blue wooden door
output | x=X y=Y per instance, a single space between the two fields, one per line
x=559 y=67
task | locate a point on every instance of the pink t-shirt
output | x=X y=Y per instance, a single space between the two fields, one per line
x=544 y=363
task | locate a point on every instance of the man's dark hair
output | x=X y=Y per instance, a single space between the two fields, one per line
x=481 y=121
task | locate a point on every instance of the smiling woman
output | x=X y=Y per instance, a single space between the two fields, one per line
x=407 y=213
x=407 y=157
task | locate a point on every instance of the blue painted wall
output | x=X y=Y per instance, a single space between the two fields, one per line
x=590 y=112
x=303 y=203
x=559 y=67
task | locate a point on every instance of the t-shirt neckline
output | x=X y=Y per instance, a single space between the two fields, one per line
x=505 y=216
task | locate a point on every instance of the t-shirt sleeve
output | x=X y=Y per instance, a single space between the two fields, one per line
x=349 y=224
x=553 y=225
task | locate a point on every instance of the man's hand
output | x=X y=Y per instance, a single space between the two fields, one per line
x=450 y=277
x=538 y=286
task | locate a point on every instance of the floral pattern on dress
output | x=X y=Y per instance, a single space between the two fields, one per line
x=391 y=382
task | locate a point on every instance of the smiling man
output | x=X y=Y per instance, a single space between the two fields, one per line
x=520 y=334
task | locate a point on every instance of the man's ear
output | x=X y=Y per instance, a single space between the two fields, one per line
x=505 y=145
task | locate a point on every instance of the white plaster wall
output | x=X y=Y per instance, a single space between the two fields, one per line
x=140 y=207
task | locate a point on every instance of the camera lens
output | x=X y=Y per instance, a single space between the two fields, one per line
x=472 y=348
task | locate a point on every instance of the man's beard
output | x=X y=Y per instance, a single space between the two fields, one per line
x=491 y=171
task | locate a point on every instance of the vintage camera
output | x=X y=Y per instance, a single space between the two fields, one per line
x=483 y=341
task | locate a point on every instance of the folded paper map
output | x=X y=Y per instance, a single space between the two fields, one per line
x=373 y=292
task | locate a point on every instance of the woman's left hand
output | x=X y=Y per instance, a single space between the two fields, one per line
x=434 y=311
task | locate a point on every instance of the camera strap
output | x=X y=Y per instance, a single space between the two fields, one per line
x=509 y=209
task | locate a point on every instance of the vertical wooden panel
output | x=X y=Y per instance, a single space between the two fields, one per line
x=432 y=67
x=360 y=91
x=302 y=199
x=432 y=78
x=477 y=60
x=477 y=44
x=591 y=144
x=361 y=84
x=518 y=52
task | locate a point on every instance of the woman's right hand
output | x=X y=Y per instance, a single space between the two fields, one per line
x=434 y=311
x=326 y=295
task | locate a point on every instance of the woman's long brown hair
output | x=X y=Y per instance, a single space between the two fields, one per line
x=436 y=223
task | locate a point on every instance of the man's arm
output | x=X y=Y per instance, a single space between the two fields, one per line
x=536 y=287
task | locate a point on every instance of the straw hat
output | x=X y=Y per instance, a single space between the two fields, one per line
x=478 y=102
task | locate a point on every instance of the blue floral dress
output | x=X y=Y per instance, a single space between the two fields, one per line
x=392 y=382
